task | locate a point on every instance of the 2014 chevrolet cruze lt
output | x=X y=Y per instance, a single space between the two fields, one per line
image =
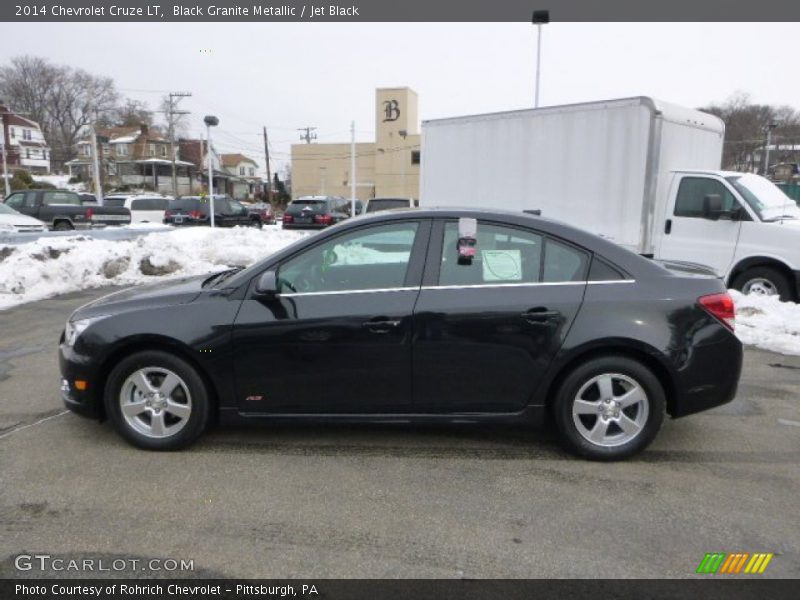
x=416 y=315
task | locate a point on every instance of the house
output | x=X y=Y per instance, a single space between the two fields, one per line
x=24 y=143
x=137 y=157
x=245 y=183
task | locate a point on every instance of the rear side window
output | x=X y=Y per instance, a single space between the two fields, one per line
x=691 y=192
x=602 y=271
x=51 y=198
x=114 y=202
x=511 y=256
x=563 y=263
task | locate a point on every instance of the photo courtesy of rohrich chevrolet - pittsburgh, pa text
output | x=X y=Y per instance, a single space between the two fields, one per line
x=399 y=299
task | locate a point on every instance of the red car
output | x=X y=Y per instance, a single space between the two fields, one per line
x=263 y=212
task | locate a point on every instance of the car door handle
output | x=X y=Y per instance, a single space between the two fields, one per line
x=539 y=315
x=382 y=325
x=668 y=226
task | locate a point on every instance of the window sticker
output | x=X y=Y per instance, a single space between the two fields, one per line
x=501 y=265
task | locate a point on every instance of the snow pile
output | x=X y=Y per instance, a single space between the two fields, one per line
x=51 y=266
x=768 y=323
x=60 y=181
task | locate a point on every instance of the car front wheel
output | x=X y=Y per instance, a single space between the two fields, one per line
x=609 y=408
x=764 y=281
x=157 y=401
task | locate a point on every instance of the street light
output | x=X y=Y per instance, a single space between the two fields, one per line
x=540 y=17
x=210 y=121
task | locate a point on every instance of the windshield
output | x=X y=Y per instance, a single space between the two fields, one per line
x=386 y=204
x=7 y=210
x=764 y=197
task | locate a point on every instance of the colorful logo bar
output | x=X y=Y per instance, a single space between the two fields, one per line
x=734 y=563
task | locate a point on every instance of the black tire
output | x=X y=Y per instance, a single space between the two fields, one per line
x=570 y=435
x=256 y=223
x=773 y=278
x=200 y=404
x=63 y=226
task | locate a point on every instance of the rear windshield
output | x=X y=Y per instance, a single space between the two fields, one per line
x=50 y=198
x=149 y=203
x=312 y=206
x=188 y=203
x=375 y=205
x=114 y=202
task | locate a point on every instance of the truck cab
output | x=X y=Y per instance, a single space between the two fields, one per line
x=739 y=224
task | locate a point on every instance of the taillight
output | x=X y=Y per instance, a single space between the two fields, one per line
x=288 y=218
x=722 y=307
x=195 y=214
x=167 y=213
x=89 y=213
x=324 y=219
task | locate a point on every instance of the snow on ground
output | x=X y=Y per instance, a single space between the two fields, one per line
x=767 y=323
x=51 y=266
x=60 y=181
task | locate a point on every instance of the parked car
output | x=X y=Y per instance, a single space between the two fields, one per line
x=15 y=222
x=262 y=212
x=194 y=210
x=145 y=208
x=315 y=212
x=377 y=204
x=381 y=320
x=62 y=210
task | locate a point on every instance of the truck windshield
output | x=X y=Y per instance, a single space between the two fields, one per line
x=764 y=197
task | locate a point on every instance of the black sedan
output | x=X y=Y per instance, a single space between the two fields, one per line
x=413 y=316
x=196 y=210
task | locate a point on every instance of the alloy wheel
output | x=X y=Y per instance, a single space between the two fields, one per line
x=610 y=409
x=155 y=402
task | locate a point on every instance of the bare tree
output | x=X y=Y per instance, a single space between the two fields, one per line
x=63 y=100
x=130 y=113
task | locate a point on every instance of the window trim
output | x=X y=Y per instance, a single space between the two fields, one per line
x=432 y=274
x=737 y=203
x=414 y=272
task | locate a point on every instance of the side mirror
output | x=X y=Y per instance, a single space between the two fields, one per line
x=267 y=284
x=712 y=206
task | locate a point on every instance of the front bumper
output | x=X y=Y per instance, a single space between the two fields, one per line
x=75 y=367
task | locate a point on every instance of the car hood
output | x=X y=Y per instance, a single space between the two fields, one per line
x=168 y=293
x=19 y=219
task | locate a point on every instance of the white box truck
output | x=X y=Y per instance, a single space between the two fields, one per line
x=638 y=171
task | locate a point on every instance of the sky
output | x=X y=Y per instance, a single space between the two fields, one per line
x=292 y=75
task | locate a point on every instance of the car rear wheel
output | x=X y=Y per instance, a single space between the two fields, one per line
x=609 y=408
x=63 y=226
x=157 y=401
x=764 y=281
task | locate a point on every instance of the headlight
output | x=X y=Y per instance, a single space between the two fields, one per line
x=7 y=227
x=74 y=329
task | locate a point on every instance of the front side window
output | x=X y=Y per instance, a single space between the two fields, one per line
x=506 y=255
x=368 y=259
x=693 y=190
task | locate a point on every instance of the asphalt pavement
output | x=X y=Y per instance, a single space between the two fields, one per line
x=389 y=501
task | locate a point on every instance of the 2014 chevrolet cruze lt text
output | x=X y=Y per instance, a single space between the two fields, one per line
x=399 y=317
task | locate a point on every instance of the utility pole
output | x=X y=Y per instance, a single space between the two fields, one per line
x=269 y=173
x=98 y=186
x=352 y=168
x=174 y=98
x=5 y=164
x=772 y=125
x=309 y=135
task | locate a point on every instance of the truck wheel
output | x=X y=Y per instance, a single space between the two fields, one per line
x=63 y=226
x=764 y=281
x=157 y=401
x=609 y=408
